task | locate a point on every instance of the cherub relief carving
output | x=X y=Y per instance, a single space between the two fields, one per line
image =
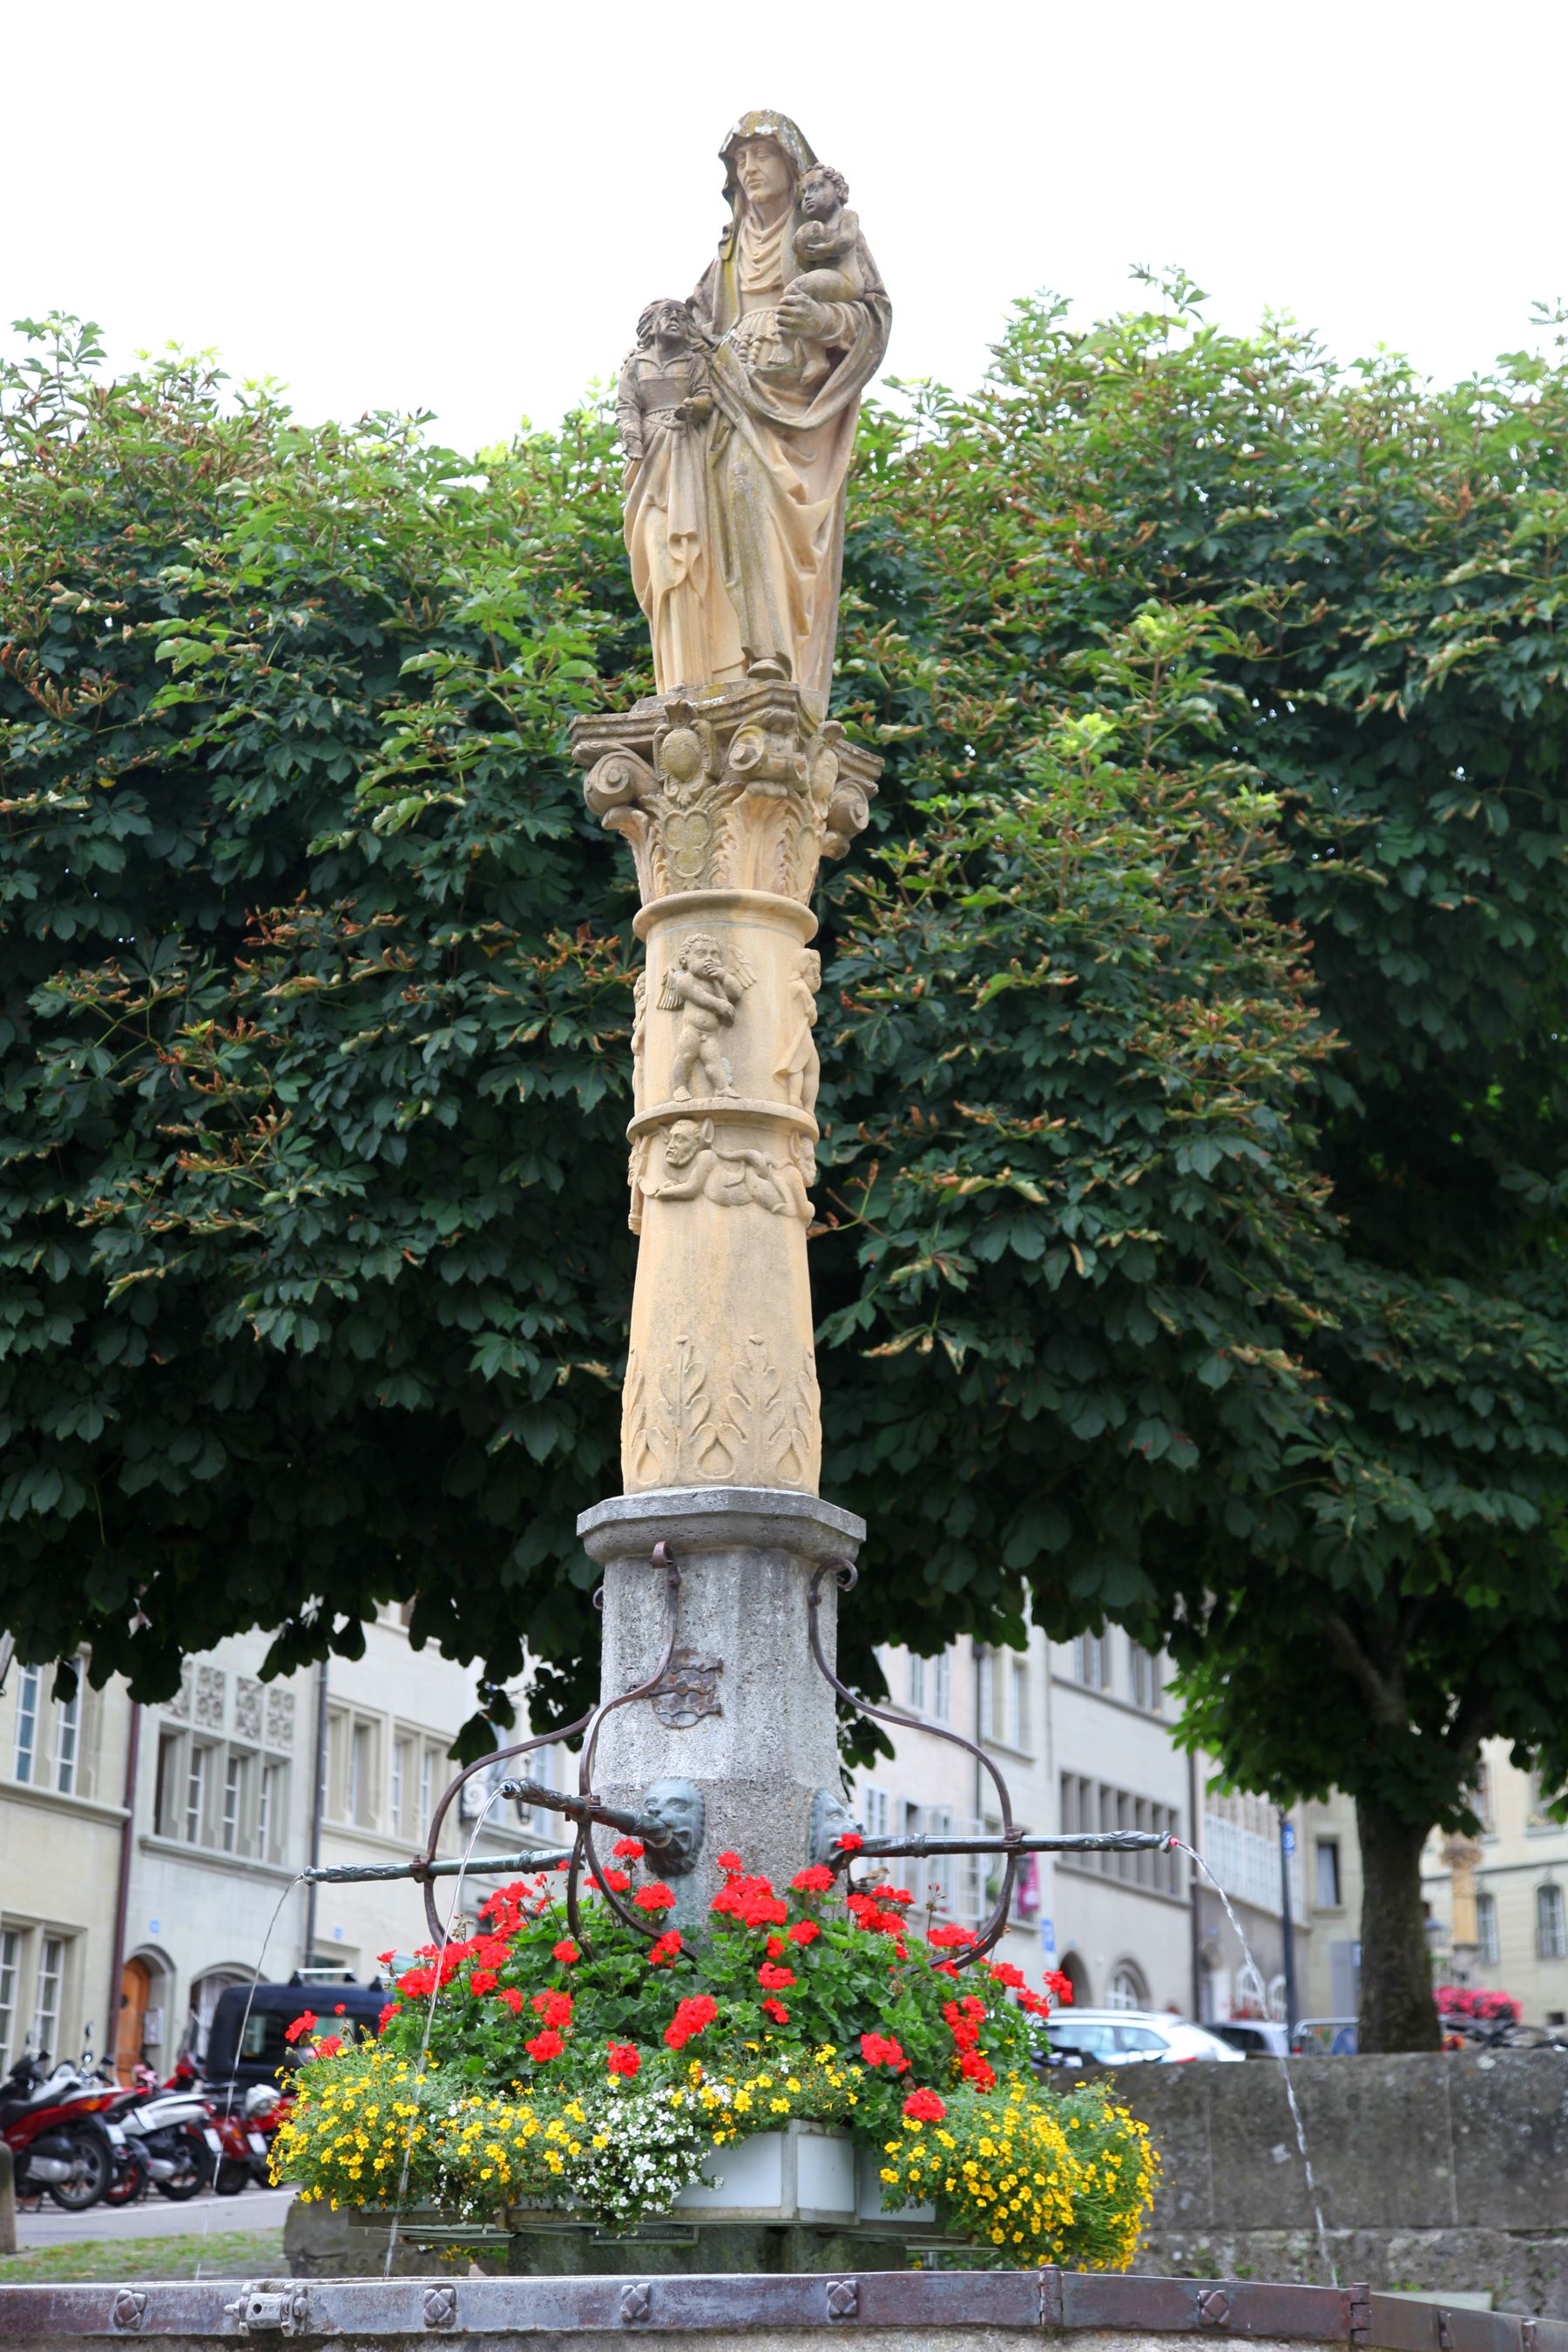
x=704 y=985
x=800 y=1071
x=696 y=1168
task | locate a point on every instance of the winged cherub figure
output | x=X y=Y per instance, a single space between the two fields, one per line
x=704 y=985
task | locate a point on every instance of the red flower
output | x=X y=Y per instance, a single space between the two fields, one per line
x=897 y=1894
x=777 y=1948
x=554 y=2008
x=616 y=1880
x=777 y=2011
x=976 y=2069
x=1002 y=1972
x=882 y=2049
x=384 y=1959
x=654 y=1896
x=627 y=1850
x=850 y=1843
x=964 y=2019
x=341 y=2010
x=483 y=1980
x=544 y=2045
x=328 y=2045
x=387 y=2014
x=945 y=1968
x=513 y=1998
x=924 y=2107
x=730 y=1861
x=666 y=1949
x=805 y=1931
x=949 y=1937
x=1057 y=1986
x=305 y=2023
x=565 y=1953
x=773 y=1979
x=690 y=2016
x=751 y=1901
x=816 y=1879
x=621 y=2059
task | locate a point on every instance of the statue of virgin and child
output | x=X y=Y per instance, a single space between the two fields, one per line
x=737 y=414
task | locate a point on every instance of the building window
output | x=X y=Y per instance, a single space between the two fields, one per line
x=1090 y=1660
x=269 y=1811
x=1486 y=1929
x=1480 y=1794
x=1328 y=1897
x=26 y=1723
x=1551 y=1928
x=399 y=1782
x=1537 y=1817
x=197 y=1782
x=10 y=1967
x=67 y=1732
x=51 y=1979
x=1145 y=1681
x=1019 y=1725
x=877 y=1813
x=236 y=1834
x=166 y=1801
x=917 y=1684
x=1126 y=1989
x=941 y=1688
x=985 y=1692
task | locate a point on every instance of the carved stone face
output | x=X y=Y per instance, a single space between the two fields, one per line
x=819 y=198
x=683 y=1143
x=670 y=323
x=764 y=172
x=703 y=957
x=678 y=1806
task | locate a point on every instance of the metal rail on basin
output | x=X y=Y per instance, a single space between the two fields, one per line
x=362 y=2313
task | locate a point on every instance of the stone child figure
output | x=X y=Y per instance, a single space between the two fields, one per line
x=800 y=1071
x=665 y=380
x=826 y=238
x=704 y=986
x=696 y=1168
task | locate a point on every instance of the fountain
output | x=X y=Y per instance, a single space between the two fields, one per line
x=712 y=1750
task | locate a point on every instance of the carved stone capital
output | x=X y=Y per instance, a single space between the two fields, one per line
x=740 y=788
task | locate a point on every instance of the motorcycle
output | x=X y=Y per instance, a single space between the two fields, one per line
x=243 y=2149
x=170 y=2143
x=62 y=2143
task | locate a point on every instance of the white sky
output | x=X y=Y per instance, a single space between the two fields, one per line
x=463 y=206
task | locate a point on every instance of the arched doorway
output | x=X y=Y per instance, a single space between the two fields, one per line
x=135 y=1999
x=1126 y=1989
x=204 y=1992
x=1076 y=1975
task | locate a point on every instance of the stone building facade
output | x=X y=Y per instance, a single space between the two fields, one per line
x=187 y=1824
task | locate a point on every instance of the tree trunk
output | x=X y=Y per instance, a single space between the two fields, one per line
x=1397 y=2011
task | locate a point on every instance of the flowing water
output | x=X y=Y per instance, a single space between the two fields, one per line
x=429 y=2021
x=1282 y=2062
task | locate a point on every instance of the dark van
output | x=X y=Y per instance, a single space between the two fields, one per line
x=247 y=2049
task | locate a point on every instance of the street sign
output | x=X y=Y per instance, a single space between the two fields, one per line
x=1288 y=1836
x=1048 y=1937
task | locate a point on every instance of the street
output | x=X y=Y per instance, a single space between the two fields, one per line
x=154 y=2217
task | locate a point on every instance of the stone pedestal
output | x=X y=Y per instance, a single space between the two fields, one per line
x=745 y=1716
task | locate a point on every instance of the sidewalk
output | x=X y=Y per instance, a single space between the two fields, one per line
x=154 y=2217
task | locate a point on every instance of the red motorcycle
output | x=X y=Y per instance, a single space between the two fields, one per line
x=62 y=2142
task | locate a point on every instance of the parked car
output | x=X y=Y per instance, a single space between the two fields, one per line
x=1130 y=2037
x=246 y=2042
x=1255 y=2037
x=1325 y=2037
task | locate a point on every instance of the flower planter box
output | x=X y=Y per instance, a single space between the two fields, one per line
x=805 y=2174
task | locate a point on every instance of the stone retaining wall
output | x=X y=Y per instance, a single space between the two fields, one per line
x=1434 y=2173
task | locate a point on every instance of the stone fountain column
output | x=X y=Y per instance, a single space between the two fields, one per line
x=729 y=798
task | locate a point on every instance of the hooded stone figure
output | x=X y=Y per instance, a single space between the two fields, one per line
x=761 y=592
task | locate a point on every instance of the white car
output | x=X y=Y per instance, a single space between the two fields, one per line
x=1130 y=2037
